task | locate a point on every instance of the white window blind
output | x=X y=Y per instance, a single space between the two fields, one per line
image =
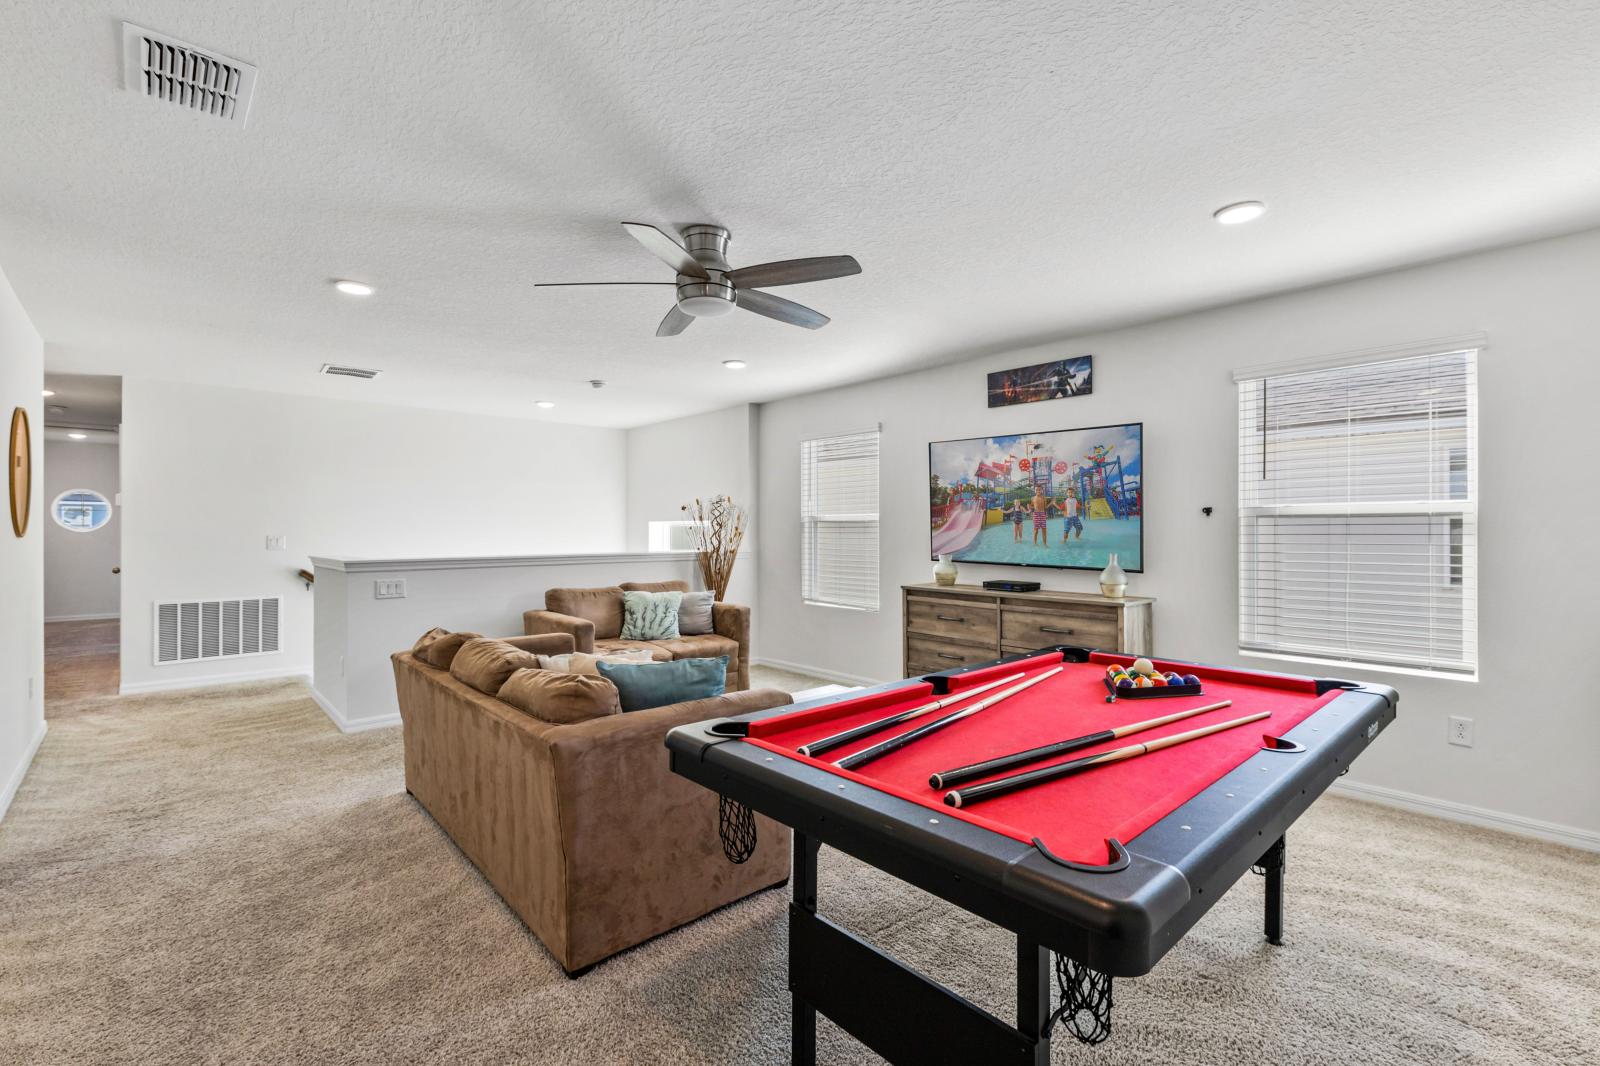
x=1358 y=523
x=839 y=520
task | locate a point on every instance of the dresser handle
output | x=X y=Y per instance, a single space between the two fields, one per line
x=1055 y=629
x=949 y=618
x=947 y=655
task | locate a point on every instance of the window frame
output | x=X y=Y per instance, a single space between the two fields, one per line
x=1460 y=516
x=811 y=523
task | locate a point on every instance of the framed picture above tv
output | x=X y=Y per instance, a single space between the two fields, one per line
x=1067 y=498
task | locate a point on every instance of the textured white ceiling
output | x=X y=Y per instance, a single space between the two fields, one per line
x=1005 y=173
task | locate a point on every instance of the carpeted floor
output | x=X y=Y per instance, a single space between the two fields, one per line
x=222 y=877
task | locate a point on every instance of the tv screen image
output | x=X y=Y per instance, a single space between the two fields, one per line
x=1068 y=498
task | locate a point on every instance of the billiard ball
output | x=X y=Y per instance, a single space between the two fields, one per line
x=1143 y=666
x=1124 y=682
x=1143 y=682
x=1158 y=681
x=1190 y=679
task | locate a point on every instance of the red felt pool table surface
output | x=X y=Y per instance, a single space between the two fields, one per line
x=1073 y=816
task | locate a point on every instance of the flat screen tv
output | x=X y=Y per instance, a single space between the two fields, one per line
x=1068 y=498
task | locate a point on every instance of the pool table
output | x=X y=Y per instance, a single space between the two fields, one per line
x=1104 y=870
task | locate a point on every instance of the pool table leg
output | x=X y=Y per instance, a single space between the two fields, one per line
x=1273 y=863
x=803 y=1016
x=1033 y=997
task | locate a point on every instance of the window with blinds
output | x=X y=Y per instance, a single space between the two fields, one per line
x=1358 y=514
x=839 y=521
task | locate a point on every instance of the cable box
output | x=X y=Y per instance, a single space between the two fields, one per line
x=1011 y=586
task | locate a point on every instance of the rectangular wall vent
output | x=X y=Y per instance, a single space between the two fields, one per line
x=333 y=370
x=197 y=630
x=183 y=75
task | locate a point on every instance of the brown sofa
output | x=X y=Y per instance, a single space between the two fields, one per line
x=593 y=618
x=581 y=828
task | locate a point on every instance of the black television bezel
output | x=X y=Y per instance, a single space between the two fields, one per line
x=1067 y=429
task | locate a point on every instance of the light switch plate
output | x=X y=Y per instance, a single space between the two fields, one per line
x=389 y=589
x=277 y=542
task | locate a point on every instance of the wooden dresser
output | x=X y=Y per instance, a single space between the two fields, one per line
x=957 y=625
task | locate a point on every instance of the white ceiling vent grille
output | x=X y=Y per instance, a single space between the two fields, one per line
x=336 y=371
x=177 y=73
x=197 y=630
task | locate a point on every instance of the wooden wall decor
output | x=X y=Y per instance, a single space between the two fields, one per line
x=21 y=471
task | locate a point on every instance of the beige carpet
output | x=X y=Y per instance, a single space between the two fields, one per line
x=222 y=877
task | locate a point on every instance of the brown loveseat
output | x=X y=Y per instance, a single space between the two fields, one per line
x=593 y=618
x=581 y=828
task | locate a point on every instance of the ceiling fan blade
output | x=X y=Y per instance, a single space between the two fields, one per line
x=675 y=323
x=764 y=303
x=795 y=271
x=575 y=284
x=666 y=249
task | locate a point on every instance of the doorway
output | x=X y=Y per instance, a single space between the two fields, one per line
x=82 y=541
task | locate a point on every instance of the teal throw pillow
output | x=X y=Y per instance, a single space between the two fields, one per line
x=650 y=615
x=645 y=685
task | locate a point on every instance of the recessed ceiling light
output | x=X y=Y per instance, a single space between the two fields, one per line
x=78 y=436
x=735 y=364
x=546 y=404
x=49 y=392
x=1243 y=211
x=353 y=288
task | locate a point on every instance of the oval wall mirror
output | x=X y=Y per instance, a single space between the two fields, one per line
x=21 y=471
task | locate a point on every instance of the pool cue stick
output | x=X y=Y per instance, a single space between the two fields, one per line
x=951 y=778
x=817 y=747
x=895 y=743
x=988 y=790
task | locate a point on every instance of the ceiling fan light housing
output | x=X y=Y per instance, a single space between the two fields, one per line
x=705 y=299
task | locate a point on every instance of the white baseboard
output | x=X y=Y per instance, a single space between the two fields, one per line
x=1571 y=836
x=345 y=724
x=140 y=687
x=818 y=671
x=82 y=617
x=14 y=782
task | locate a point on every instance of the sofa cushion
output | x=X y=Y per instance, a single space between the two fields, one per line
x=583 y=663
x=657 y=652
x=702 y=646
x=427 y=638
x=694 y=613
x=650 y=615
x=654 y=586
x=602 y=606
x=485 y=664
x=642 y=686
x=560 y=698
x=441 y=652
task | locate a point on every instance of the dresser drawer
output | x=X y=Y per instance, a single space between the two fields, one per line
x=952 y=619
x=1087 y=627
x=929 y=655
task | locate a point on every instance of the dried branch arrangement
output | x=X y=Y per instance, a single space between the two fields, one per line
x=717 y=529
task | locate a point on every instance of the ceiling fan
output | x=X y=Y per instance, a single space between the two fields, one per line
x=707 y=286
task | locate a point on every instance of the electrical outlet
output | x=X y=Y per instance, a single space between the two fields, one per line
x=1459 y=731
x=277 y=542
x=389 y=589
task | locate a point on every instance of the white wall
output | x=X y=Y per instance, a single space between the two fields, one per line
x=78 y=582
x=672 y=463
x=209 y=473
x=1537 y=739
x=21 y=560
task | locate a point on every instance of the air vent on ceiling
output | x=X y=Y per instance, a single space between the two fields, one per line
x=333 y=370
x=191 y=631
x=177 y=73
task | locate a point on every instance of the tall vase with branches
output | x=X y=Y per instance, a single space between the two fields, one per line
x=716 y=529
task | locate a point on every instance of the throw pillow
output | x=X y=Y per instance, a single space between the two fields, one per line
x=560 y=698
x=694 y=613
x=645 y=685
x=583 y=662
x=650 y=615
x=442 y=652
x=427 y=638
x=485 y=664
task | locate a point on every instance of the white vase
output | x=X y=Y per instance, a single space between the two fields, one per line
x=945 y=570
x=1113 y=581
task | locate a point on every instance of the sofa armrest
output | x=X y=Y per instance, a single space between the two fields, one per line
x=544 y=643
x=732 y=620
x=581 y=630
